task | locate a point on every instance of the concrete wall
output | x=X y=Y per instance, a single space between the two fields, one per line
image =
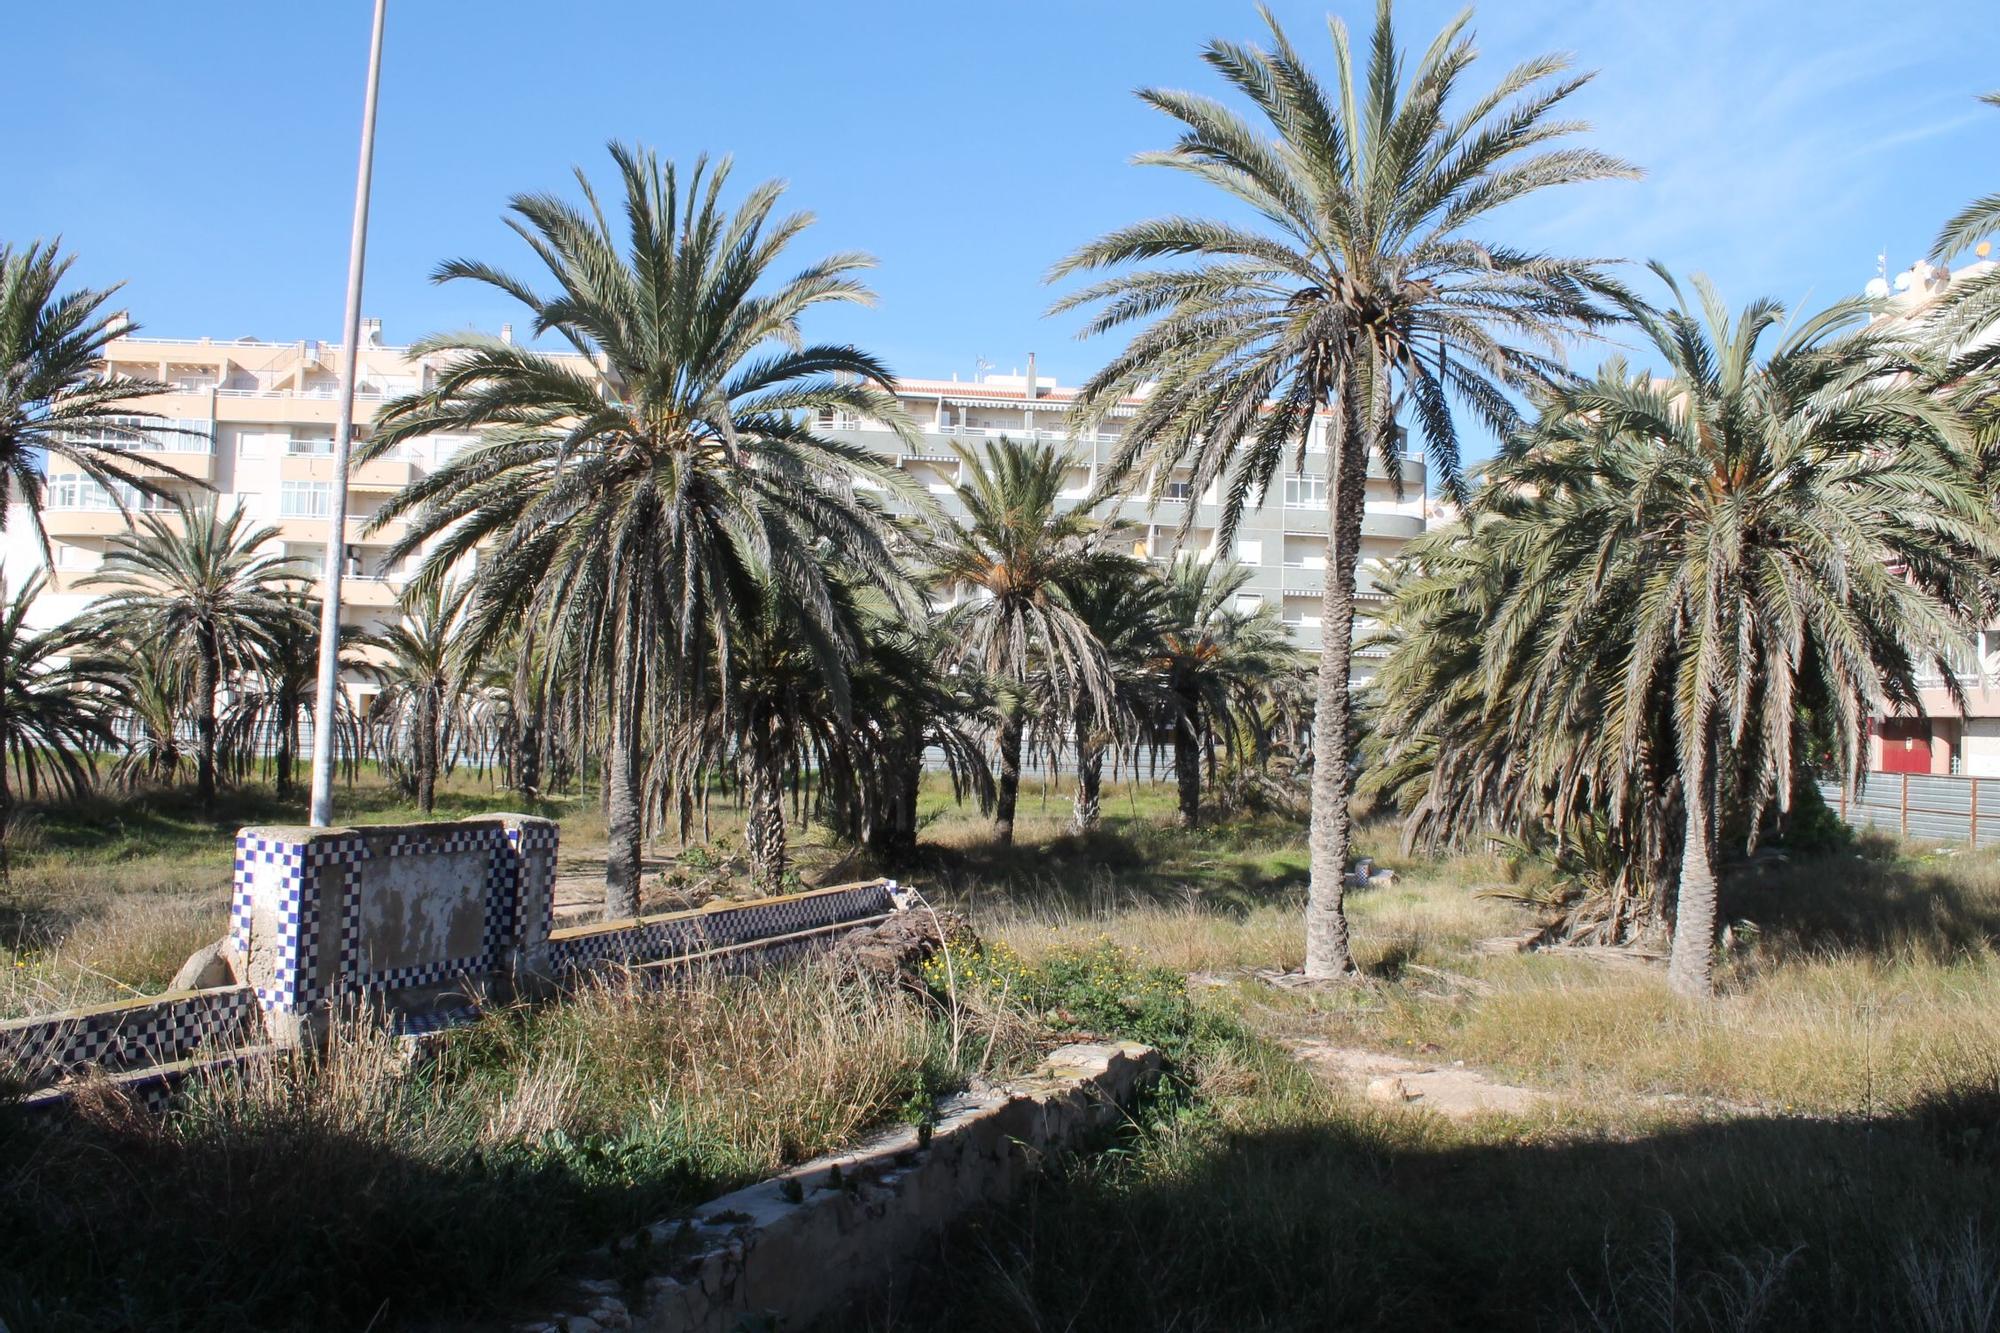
x=423 y=918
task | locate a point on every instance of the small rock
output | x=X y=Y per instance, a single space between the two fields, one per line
x=1389 y=1089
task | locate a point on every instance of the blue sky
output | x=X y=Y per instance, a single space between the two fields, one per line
x=204 y=152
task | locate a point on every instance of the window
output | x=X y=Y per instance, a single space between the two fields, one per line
x=306 y=499
x=74 y=557
x=1250 y=552
x=1180 y=490
x=185 y=435
x=309 y=446
x=1305 y=492
x=73 y=490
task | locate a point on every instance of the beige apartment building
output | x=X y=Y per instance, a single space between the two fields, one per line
x=1282 y=542
x=255 y=421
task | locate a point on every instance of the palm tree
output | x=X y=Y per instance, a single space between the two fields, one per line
x=55 y=401
x=153 y=694
x=909 y=700
x=426 y=703
x=1974 y=222
x=267 y=707
x=202 y=589
x=633 y=503
x=1699 y=558
x=1018 y=554
x=55 y=705
x=1358 y=289
x=1122 y=602
x=1215 y=663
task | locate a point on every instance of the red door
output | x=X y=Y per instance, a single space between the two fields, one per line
x=1906 y=745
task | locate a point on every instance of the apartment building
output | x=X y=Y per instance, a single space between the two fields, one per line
x=1282 y=542
x=255 y=420
x=1944 y=738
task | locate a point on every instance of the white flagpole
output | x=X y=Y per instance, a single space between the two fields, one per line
x=336 y=542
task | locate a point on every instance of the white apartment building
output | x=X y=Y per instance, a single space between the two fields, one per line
x=1282 y=542
x=255 y=420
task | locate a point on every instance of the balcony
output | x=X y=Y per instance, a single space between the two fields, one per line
x=376 y=594
x=198 y=464
x=312 y=529
x=98 y=521
x=380 y=474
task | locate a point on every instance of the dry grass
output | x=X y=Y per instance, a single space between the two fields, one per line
x=349 y=1188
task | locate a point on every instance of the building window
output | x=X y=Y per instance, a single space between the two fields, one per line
x=306 y=499
x=181 y=435
x=1305 y=492
x=73 y=490
x=1180 y=490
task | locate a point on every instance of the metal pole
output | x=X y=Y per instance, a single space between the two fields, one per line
x=336 y=542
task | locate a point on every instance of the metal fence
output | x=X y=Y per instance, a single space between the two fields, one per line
x=1927 y=806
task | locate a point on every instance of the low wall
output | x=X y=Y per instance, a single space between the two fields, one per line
x=806 y=1245
x=424 y=922
x=763 y=930
x=129 y=1035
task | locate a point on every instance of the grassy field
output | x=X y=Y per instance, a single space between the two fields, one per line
x=1820 y=1147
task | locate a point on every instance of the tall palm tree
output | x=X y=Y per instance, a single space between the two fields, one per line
x=1358 y=288
x=55 y=400
x=426 y=703
x=1016 y=556
x=56 y=698
x=1215 y=663
x=202 y=588
x=1769 y=527
x=633 y=503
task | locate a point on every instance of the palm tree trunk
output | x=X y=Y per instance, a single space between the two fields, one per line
x=208 y=674
x=427 y=750
x=528 y=753
x=288 y=739
x=1187 y=763
x=6 y=801
x=1691 y=959
x=1328 y=952
x=1012 y=725
x=621 y=790
x=764 y=834
x=1089 y=802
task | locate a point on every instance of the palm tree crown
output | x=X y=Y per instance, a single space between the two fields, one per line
x=633 y=510
x=427 y=697
x=204 y=590
x=1674 y=567
x=1215 y=661
x=55 y=402
x=1017 y=555
x=1357 y=286
x=55 y=706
